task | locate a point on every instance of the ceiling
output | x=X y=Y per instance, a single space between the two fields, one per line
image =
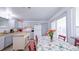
x=31 y=13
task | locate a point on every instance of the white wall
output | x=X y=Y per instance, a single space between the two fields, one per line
x=77 y=31
x=77 y=21
x=44 y=28
x=77 y=16
x=71 y=18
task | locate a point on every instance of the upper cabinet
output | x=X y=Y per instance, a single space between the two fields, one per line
x=3 y=22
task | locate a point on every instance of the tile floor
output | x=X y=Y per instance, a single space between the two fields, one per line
x=9 y=48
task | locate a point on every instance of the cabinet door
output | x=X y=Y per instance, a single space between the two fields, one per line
x=18 y=43
x=1 y=43
x=8 y=40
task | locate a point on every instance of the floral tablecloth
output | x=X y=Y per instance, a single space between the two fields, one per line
x=44 y=44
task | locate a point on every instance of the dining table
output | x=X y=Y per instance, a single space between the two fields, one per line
x=44 y=44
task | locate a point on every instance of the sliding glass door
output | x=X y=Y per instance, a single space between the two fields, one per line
x=61 y=26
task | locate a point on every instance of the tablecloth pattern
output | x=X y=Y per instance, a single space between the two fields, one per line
x=44 y=44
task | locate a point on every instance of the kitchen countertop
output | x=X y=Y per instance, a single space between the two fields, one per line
x=20 y=34
x=14 y=34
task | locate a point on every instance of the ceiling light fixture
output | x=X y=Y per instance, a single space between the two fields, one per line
x=29 y=7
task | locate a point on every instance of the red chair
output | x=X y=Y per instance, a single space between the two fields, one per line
x=62 y=37
x=77 y=42
x=19 y=30
x=31 y=46
x=36 y=39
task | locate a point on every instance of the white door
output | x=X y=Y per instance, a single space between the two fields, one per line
x=37 y=30
x=61 y=26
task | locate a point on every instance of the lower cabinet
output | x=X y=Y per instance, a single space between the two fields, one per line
x=8 y=40
x=1 y=42
x=18 y=43
x=5 y=41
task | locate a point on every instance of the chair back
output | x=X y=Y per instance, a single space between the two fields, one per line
x=31 y=45
x=36 y=38
x=62 y=37
x=76 y=42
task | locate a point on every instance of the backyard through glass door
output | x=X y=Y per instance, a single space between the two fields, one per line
x=61 y=28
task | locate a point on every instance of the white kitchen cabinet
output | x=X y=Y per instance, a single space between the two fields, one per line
x=1 y=42
x=19 y=41
x=8 y=40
